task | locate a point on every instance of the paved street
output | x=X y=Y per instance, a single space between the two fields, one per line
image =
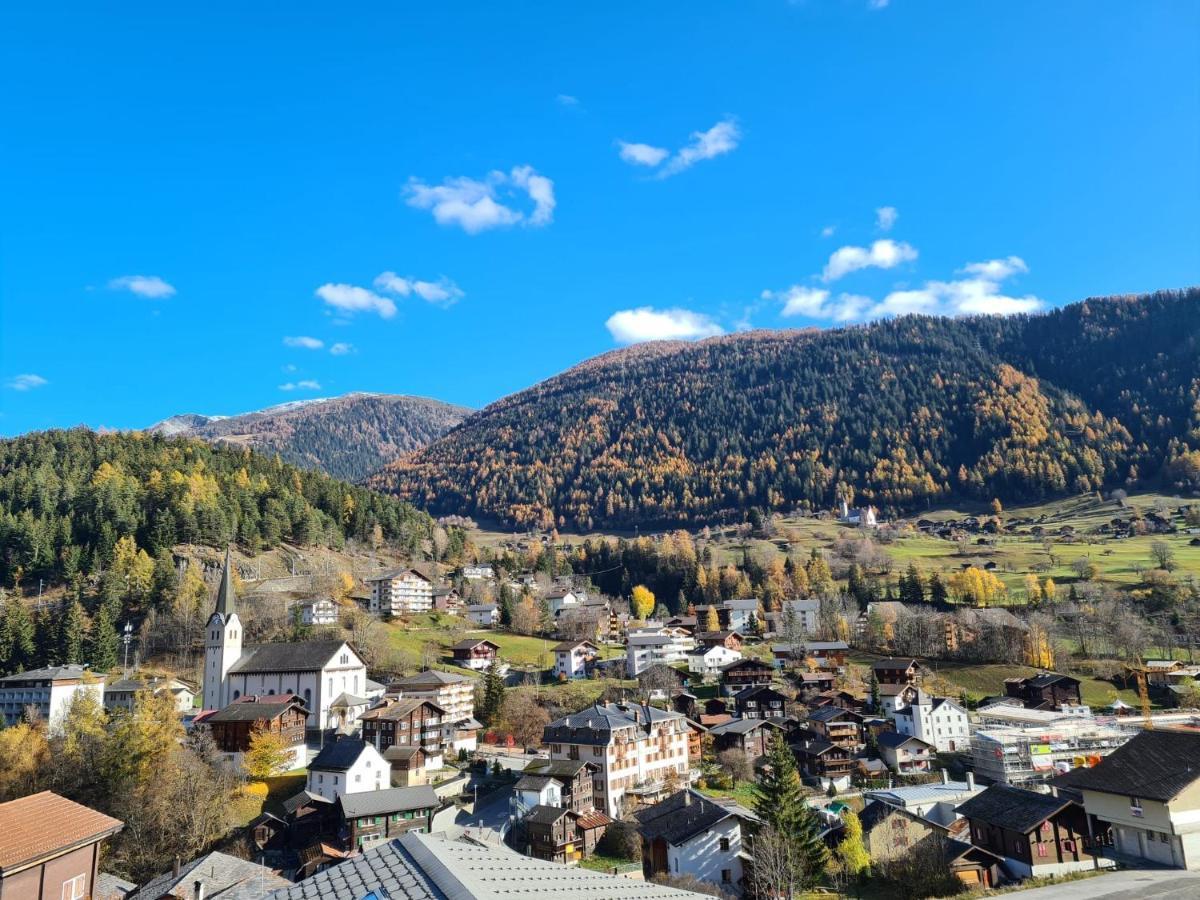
x=1134 y=884
x=490 y=818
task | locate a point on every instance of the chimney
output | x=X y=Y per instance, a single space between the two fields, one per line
x=175 y=868
x=970 y=781
x=687 y=797
x=1053 y=790
x=198 y=890
x=945 y=777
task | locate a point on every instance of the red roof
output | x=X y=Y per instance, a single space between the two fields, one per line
x=44 y=825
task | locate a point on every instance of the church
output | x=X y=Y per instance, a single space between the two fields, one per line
x=329 y=675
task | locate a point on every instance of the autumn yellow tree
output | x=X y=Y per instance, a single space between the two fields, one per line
x=712 y=621
x=267 y=755
x=1033 y=589
x=1049 y=589
x=642 y=601
x=976 y=586
x=25 y=753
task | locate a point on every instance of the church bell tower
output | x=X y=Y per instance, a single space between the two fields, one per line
x=222 y=641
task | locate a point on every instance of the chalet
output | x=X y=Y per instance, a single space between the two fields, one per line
x=890 y=832
x=828 y=654
x=317 y=611
x=473 y=653
x=477 y=572
x=560 y=835
x=308 y=816
x=904 y=754
x=50 y=847
x=485 y=615
x=1148 y=793
x=751 y=736
x=839 y=699
x=407 y=722
x=688 y=834
x=815 y=682
x=574 y=659
x=760 y=703
x=372 y=817
x=892 y=670
x=685 y=704
x=214 y=874
x=746 y=673
x=702 y=618
x=447 y=599
x=697 y=737
x=973 y=866
x=688 y=623
x=573 y=777
x=1036 y=834
x=409 y=765
x=838 y=726
x=278 y=714
x=1046 y=691
x=731 y=640
x=820 y=759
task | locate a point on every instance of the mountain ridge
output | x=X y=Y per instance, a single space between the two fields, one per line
x=900 y=413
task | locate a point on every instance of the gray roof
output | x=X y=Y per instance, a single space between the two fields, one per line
x=435 y=867
x=680 y=817
x=743 y=726
x=1012 y=807
x=339 y=755
x=750 y=603
x=1158 y=765
x=594 y=725
x=533 y=783
x=223 y=876
x=546 y=815
x=53 y=673
x=294 y=802
x=431 y=678
x=226 y=596
x=389 y=800
x=649 y=640
x=894 y=739
x=267 y=707
x=110 y=887
x=304 y=656
x=396 y=573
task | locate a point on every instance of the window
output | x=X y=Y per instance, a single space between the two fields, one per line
x=1041 y=849
x=1135 y=806
x=724 y=845
x=358 y=778
x=73 y=888
x=726 y=876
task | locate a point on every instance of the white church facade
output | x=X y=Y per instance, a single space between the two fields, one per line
x=318 y=671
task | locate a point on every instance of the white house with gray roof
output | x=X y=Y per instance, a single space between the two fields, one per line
x=317 y=671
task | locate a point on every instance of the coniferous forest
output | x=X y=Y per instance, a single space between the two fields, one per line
x=902 y=414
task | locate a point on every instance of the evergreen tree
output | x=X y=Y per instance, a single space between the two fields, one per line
x=72 y=634
x=911 y=589
x=493 y=695
x=18 y=652
x=103 y=645
x=937 y=590
x=875 y=701
x=780 y=803
x=45 y=638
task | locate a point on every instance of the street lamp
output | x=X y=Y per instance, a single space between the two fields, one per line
x=126 y=637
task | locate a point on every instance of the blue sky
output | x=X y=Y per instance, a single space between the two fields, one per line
x=217 y=208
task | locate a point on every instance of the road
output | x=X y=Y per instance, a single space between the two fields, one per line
x=489 y=819
x=1131 y=884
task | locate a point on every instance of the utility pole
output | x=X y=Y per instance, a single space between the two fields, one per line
x=126 y=637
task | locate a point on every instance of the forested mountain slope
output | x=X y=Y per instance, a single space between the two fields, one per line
x=348 y=437
x=67 y=497
x=899 y=413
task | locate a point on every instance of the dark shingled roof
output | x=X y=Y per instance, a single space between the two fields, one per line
x=305 y=656
x=594 y=725
x=471 y=643
x=893 y=662
x=546 y=815
x=556 y=768
x=339 y=755
x=1049 y=678
x=1157 y=765
x=680 y=817
x=296 y=801
x=1012 y=807
x=266 y=708
x=388 y=800
x=432 y=678
x=895 y=739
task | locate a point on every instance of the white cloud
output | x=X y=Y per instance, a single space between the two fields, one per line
x=150 y=286
x=306 y=385
x=642 y=154
x=818 y=303
x=882 y=254
x=981 y=296
x=899 y=303
x=828 y=231
x=996 y=269
x=476 y=206
x=341 y=349
x=632 y=326
x=442 y=292
x=305 y=343
x=885 y=217
x=722 y=138
x=351 y=298
x=567 y=100
x=26 y=382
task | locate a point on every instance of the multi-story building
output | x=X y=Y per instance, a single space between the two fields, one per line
x=760 y=703
x=643 y=650
x=935 y=720
x=741 y=674
x=742 y=614
x=573 y=659
x=709 y=661
x=454 y=693
x=122 y=694
x=347 y=765
x=640 y=752
x=371 y=818
x=689 y=834
x=400 y=592
x=905 y=754
x=475 y=654
x=1027 y=755
x=838 y=726
x=478 y=571
x=318 y=611
x=409 y=722
x=574 y=778
x=278 y=714
x=485 y=615
x=49 y=691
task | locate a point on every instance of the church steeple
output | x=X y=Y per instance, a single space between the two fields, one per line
x=226 y=596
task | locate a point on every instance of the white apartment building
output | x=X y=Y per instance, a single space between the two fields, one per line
x=741 y=612
x=319 y=611
x=348 y=765
x=486 y=615
x=689 y=834
x=478 y=571
x=663 y=645
x=49 y=691
x=400 y=592
x=637 y=751
x=571 y=658
x=708 y=661
x=937 y=721
x=455 y=694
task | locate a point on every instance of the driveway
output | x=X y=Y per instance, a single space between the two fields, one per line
x=1131 y=884
x=490 y=818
